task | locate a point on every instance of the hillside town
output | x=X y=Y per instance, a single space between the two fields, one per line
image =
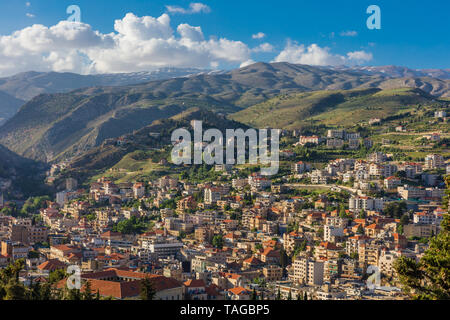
x=330 y=233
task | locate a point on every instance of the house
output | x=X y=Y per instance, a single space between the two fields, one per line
x=51 y=265
x=239 y=293
x=392 y=182
x=195 y=290
x=126 y=284
x=270 y=256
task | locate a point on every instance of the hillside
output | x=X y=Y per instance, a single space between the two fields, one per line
x=57 y=126
x=8 y=106
x=333 y=108
x=20 y=177
x=111 y=155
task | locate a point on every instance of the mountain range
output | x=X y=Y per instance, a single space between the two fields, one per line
x=55 y=126
x=22 y=87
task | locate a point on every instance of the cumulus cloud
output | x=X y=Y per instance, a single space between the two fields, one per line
x=359 y=56
x=137 y=44
x=259 y=35
x=316 y=55
x=264 y=47
x=349 y=33
x=30 y=15
x=195 y=7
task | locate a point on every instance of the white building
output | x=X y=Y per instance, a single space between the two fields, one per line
x=434 y=161
x=331 y=232
x=308 y=271
x=366 y=203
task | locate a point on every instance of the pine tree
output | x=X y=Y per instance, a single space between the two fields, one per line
x=430 y=277
x=254 y=296
x=147 y=290
x=87 y=294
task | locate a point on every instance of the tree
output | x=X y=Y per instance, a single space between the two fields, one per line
x=254 y=296
x=399 y=229
x=404 y=219
x=217 y=241
x=15 y=291
x=56 y=276
x=147 y=289
x=342 y=212
x=73 y=294
x=428 y=279
x=87 y=294
x=360 y=229
x=362 y=214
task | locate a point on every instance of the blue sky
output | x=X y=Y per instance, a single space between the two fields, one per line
x=413 y=33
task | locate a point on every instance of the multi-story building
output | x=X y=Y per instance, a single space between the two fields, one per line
x=427 y=218
x=212 y=195
x=307 y=271
x=434 y=161
x=366 y=203
x=272 y=273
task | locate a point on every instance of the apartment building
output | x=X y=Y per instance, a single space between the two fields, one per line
x=307 y=271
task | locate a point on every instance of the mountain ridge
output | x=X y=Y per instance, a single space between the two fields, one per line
x=56 y=126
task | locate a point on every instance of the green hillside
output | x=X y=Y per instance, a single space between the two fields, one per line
x=332 y=108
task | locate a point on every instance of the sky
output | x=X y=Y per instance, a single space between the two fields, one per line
x=142 y=35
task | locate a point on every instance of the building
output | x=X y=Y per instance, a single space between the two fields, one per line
x=335 y=143
x=212 y=195
x=330 y=233
x=138 y=190
x=272 y=273
x=299 y=167
x=125 y=284
x=163 y=248
x=365 y=203
x=427 y=218
x=377 y=157
x=336 y=134
x=307 y=271
x=392 y=182
x=312 y=139
x=440 y=114
x=434 y=161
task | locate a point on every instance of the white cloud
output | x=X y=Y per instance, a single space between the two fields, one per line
x=192 y=33
x=359 y=56
x=30 y=15
x=138 y=44
x=195 y=7
x=28 y=4
x=264 y=47
x=349 y=33
x=315 y=55
x=259 y=35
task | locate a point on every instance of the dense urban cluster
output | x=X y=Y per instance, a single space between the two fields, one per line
x=327 y=233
